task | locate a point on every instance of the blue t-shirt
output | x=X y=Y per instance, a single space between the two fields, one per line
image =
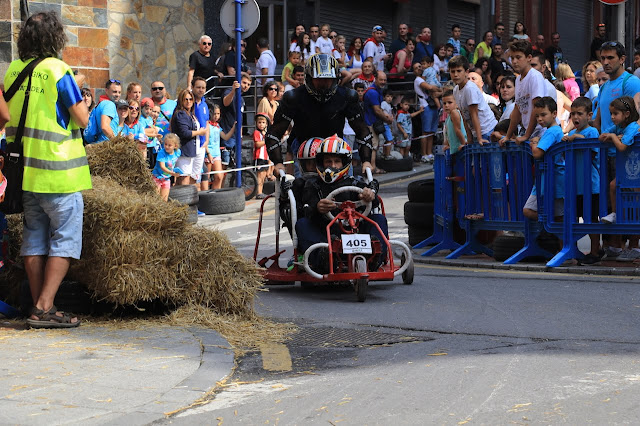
x=214 y=140
x=169 y=161
x=588 y=133
x=164 y=118
x=611 y=90
x=107 y=108
x=202 y=115
x=404 y=119
x=147 y=123
x=551 y=136
x=628 y=134
x=134 y=130
x=422 y=50
x=456 y=45
x=372 y=97
x=430 y=75
x=68 y=96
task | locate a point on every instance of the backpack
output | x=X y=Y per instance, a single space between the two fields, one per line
x=93 y=129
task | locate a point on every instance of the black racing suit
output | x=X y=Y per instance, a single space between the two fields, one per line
x=315 y=119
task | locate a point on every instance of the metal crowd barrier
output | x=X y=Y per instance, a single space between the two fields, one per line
x=579 y=157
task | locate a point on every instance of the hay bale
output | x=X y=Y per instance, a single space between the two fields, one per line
x=118 y=159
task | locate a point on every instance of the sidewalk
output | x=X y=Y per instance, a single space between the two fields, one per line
x=102 y=373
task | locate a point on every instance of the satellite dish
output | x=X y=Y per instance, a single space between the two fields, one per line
x=250 y=17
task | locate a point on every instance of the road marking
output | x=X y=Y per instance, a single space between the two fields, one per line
x=233 y=224
x=462 y=268
x=275 y=357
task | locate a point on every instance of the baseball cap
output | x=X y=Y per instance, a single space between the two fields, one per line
x=147 y=101
x=121 y=104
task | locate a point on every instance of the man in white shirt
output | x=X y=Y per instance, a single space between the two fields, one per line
x=374 y=48
x=314 y=33
x=266 y=64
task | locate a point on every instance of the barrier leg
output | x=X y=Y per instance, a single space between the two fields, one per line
x=569 y=251
x=531 y=247
x=471 y=246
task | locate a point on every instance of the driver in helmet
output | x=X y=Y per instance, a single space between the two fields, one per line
x=333 y=161
x=319 y=108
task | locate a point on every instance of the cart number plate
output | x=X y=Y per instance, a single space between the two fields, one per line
x=356 y=243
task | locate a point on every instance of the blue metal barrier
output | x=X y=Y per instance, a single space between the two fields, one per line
x=579 y=157
x=443 y=206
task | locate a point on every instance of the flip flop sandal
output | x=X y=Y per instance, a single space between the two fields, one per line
x=379 y=172
x=49 y=319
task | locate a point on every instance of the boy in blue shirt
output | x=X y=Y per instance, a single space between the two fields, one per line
x=545 y=111
x=581 y=113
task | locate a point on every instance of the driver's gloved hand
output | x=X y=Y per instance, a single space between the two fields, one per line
x=374 y=186
x=285 y=186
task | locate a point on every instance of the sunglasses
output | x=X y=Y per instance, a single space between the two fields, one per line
x=188 y=99
x=205 y=43
x=272 y=88
x=157 y=88
x=114 y=81
x=609 y=44
x=132 y=108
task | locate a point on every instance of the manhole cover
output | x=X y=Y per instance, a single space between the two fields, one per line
x=344 y=337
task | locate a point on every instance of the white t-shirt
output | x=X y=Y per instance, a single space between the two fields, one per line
x=375 y=51
x=550 y=90
x=527 y=89
x=422 y=95
x=312 y=46
x=386 y=107
x=490 y=99
x=294 y=47
x=438 y=64
x=508 y=109
x=267 y=60
x=471 y=95
x=325 y=45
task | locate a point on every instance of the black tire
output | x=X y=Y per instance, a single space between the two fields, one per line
x=419 y=215
x=221 y=201
x=505 y=246
x=249 y=183
x=407 y=276
x=184 y=194
x=361 y=284
x=404 y=165
x=419 y=234
x=269 y=187
x=193 y=214
x=421 y=191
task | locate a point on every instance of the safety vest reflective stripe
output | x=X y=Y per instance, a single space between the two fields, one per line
x=45 y=135
x=55 y=165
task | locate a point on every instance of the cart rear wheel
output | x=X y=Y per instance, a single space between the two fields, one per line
x=407 y=275
x=361 y=284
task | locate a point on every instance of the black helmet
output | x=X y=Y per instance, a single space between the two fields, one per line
x=321 y=65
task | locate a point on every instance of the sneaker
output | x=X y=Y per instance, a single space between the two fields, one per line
x=589 y=259
x=201 y=213
x=424 y=159
x=430 y=158
x=261 y=196
x=628 y=255
x=610 y=218
x=610 y=254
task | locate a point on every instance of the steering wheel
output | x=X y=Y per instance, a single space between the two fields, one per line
x=358 y=203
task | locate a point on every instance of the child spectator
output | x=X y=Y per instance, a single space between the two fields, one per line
x=213 y=160
x=429 y=116
x=545 y=110
x=624 y=116
x=355 y=54
x=565 y=74
x=287 y=72
x=339 y=51
x=431 y=77
x=165 y=163
x=385 y=105
x=529 y=87
x=260 y=152
x=475 y=110
x=360 y=88
x=150 y=129
x=454 y=131
x=405 y=125
x=304 y=47
x=454 y=40
x=324 y=43
x=581 y=114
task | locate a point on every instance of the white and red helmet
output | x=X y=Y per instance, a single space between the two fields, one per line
x=307 y=155
x=337 y=146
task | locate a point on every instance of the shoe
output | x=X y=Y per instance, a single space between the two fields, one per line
x=430 y=158
x=610 y=218
x=261 y=196
x=201 y=213
x=628 y=255
x=424 y=159
x=589 y=259
x=610 y=254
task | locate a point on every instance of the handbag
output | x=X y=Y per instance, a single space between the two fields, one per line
x=12 y=158
x=431 y=102
x=378 y=126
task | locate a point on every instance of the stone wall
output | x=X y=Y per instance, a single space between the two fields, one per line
x=141 y=40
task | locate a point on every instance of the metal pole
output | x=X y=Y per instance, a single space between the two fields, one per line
x=238 y=96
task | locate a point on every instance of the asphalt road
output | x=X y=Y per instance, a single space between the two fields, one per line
x=458 y=346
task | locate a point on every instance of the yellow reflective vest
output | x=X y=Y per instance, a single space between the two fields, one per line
x=55 y=161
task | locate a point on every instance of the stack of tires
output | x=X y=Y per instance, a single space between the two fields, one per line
x=418 y=211
x=397 y=163
x=186 y=194
x=221 y=201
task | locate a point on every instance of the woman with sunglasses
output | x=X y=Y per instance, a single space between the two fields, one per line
x=269 y=104
x=185 y=124
x=133 y=125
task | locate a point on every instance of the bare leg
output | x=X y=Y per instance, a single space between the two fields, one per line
x=45 y=277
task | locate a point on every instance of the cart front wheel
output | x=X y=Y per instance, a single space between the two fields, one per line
x=361 y=284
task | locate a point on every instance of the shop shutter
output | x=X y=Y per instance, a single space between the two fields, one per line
x=463 y=14
x=575 y=16
x=511 y=11
x=356 y=18
x=421 y=16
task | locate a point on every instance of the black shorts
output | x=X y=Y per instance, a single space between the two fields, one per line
x=260 y=162
x=595 y=205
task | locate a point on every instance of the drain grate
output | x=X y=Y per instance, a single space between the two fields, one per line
x=345 y=337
